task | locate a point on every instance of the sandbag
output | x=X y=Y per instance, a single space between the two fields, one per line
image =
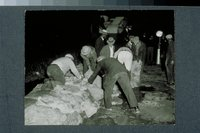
x=96 y=88
x=136 y=73
x=97 y=81
x=41 y=115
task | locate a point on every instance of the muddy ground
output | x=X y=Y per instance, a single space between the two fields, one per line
x=157 y=105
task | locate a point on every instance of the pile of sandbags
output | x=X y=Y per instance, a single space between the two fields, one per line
x=115 y=96
x=65 y=104
x=43 y=115
x=98 y=92
x=136 y=73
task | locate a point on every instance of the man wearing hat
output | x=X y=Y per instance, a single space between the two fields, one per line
x=169 y=63
x=100 y=42
x=114 y=72
x=89 y=57
x=59 y=67
x=138 y=48
x=109 y=49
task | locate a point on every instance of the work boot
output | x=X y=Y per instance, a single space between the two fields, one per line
x=135 y=109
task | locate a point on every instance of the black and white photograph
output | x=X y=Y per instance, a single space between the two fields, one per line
x=99 y=67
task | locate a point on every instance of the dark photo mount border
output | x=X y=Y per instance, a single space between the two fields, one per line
x=12 y=73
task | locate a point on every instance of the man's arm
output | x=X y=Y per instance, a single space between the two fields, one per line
x=103 y=51
x=93 y=76
x=98 y=46
x=87 y=61
x=74 y=69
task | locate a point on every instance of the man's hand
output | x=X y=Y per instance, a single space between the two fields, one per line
x=172 y=62
x=82 y=77
x=87 y=83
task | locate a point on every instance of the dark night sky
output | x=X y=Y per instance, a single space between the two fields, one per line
x=50 y=33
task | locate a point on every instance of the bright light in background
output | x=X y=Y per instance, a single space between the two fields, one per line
x=159 y=33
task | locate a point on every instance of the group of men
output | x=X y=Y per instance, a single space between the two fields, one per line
x=167 y=52
x=112 y=65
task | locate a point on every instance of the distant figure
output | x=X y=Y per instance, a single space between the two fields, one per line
x=59 y=67
x=150 y=50
x=100 y=42
x=138 y=49
x=89 y=57
x=124 y=56
x=109 y=49
x=163 y=51
x=170 y=60
x=114 y=72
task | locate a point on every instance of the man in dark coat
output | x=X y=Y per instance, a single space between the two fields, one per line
x=150 y=50
x=138 y=48
x=100 y=42
x=114 y=72
x=109 y=49
x=170 y=59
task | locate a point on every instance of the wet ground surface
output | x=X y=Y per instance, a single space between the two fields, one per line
x=157 y=105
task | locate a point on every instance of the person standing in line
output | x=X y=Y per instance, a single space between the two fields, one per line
x=59 y=67
x=170 y=60
x=150 y=50
x=109 y=49
x=89 y=57
x=114 y=72
x=100 y=42
x=163 y=52
x=138 y=49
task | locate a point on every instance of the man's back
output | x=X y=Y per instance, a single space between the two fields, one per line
x=63 y=62
x=109 y=66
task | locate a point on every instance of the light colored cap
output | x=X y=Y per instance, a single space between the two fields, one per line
x=69 y=56
x=103 y=31
x=111 y=40
x=169 y=36
x=85 y=50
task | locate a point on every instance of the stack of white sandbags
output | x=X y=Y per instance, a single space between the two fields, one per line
x=96 y=88
x=43 y=115
x=98 y=93
x=65 y=104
